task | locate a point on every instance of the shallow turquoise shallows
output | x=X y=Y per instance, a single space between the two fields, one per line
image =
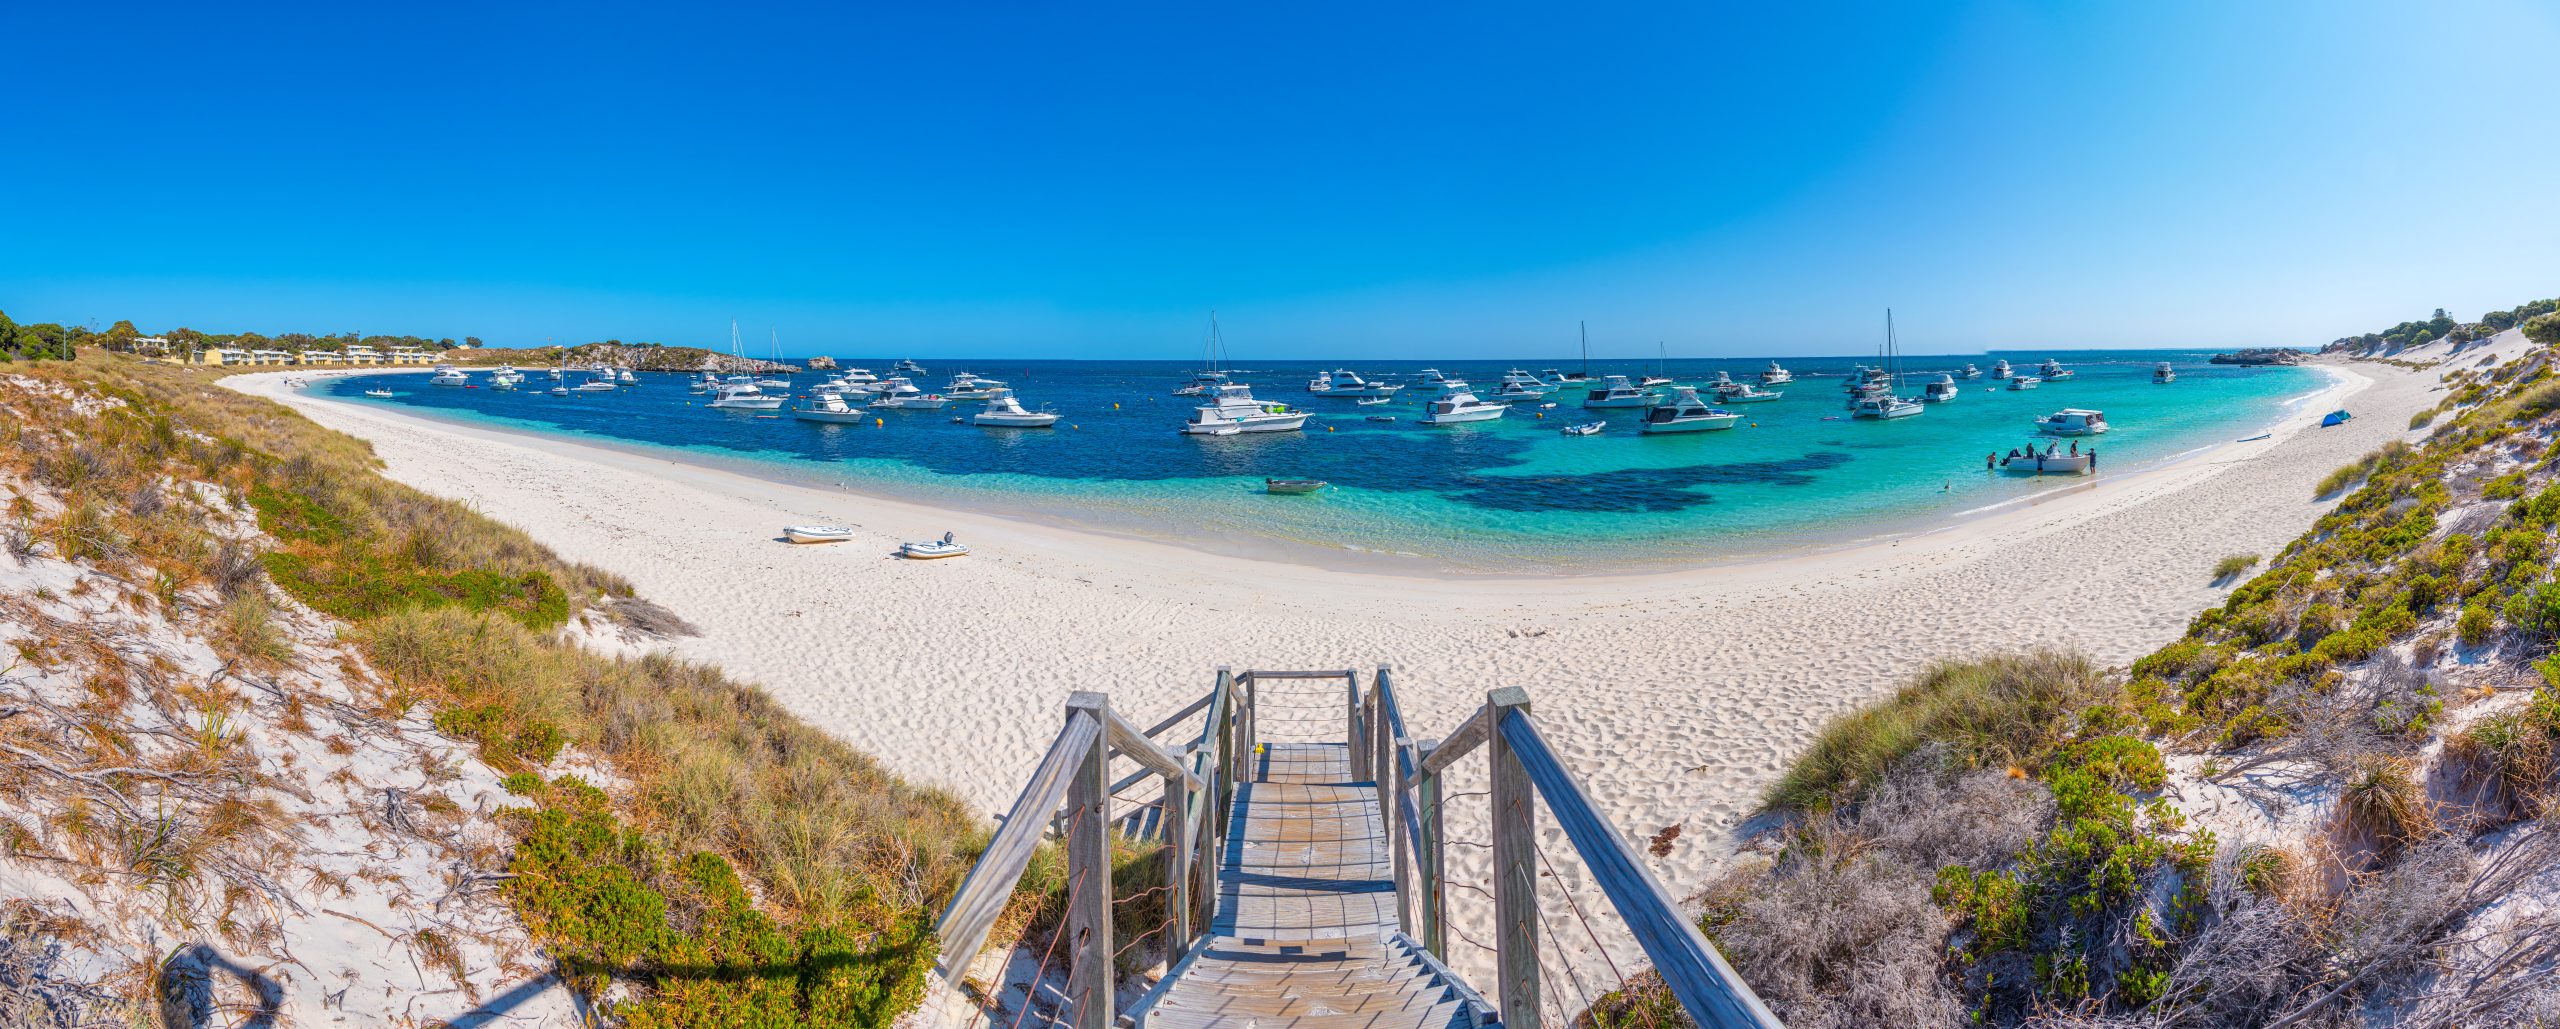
x=1510 y=495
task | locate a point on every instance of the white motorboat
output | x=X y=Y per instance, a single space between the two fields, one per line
x=1319 y=384
x=624 y=376
x=930 y=549
x=1457 y=404
x=772 y=383
x=2072 y=421
x=965 y=386
x=827 y=405
x=856 y=377
x=1233 y=410
x=907 y=367
x=816 y=533
x=2053 y=371
x=1004 y=411
x=741 y=393
x=1684 y=412
x=559 y=391
x=1515 y=393
x=1201 y=384
x=1370 y=401
x=1347 y=383
x=1969 y=372
x=2163 y=373
x=1746 y=393
x=377 y=393
x=2050 y=461
x=899 y=394
x=706 y=384
x=558 y=373
x=2000 y=368
x=602 y=385
x=505 y=376
x=2024 y=382
x=1940 y=390
x=1775 y=375
x=1615 y=391
x=1524 y=381
x=1863 y=391
x=1562 y=380
x=1885 y=406
x=1584 y=429
x=448 y=375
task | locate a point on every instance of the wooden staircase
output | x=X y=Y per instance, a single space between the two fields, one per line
x=1305 y=935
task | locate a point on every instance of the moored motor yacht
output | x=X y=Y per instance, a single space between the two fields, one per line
x=899 y=394
x=740 y=392
x=1970 y=372
x=826 y=405
x=2164 y=373
x=506 y=376
x=448 y=375
x=965 y=386
x=1616 y=391
x=1519 y=381
x=1003 y=411
x=1884 y=405
x=1941 y=389
x=2024 y=382
x=1684 y=412
x=1746 y=393
x=2072 y=421
x=1201 y=384
x=1458 y=404
x=1347 y=383
x=2053 y=371
x=2000 y=368
x=1774 y=375
x=907 y=367
x=1233 y=410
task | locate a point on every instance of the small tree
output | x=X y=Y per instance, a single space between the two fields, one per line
x=2544 y=329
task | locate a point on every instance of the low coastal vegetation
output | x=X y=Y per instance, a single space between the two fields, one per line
x=2328 y=803
x=686 y=851
x=647 y=357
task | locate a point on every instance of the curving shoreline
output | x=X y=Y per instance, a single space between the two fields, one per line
x=1679 y=695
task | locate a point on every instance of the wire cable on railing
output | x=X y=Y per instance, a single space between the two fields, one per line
x=1587 y=931
x=1040 y=974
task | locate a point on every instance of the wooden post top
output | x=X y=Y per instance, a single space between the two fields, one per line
x=1508 y=696
x=1088 y=700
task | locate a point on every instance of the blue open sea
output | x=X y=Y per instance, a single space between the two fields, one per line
x=1512 y=495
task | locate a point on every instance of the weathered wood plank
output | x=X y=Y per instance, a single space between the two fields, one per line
x=1089 y=976
x=1127 y=739
x=1470 y=734
x=1515 y=871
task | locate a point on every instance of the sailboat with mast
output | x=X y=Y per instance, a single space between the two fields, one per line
x=1662 y=371
x=1885 y=403
x=773 y=353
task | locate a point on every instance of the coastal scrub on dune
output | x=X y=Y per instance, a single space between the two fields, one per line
x=736 y=864
x=2327 y=804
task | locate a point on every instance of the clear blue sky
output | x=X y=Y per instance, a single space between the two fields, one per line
x=1366 y=179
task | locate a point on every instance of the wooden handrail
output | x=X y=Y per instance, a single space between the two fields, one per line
x=1129 y=740
x=1696 y=973
x=982 y=896
x=1471 y=734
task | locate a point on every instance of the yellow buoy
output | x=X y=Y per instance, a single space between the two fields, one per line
x=880 y=422
x=1328 y=428
x=1115 y=407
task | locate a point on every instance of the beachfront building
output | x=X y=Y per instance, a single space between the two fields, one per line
x=220 y=356
x=363 y=355
x=411 y=355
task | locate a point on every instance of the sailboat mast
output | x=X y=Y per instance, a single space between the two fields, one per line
x=1585 y=328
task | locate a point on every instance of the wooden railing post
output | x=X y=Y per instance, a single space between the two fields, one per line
x=1089 y=977
x=1515 y=872
x=1177 y=808
x=1357 y=734
x=1426 y=795
x=1391 y=794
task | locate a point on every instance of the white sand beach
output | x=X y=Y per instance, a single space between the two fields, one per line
x=1678 y=695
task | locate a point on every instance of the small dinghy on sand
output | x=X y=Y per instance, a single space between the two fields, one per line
x=816 y=533
x=930 y=549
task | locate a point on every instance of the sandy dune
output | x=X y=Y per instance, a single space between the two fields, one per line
x=1677 y=695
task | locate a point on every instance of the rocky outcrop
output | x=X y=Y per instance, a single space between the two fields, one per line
x=822 y=363
x=2263 y=355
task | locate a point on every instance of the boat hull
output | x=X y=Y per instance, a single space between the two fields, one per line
x=1463 y=417
x=1599 y=404
x=835 y=417
x=766 y=404
x=1691 y=425
x=2058 y=464
x=1242 y=426
x=816 y=534
x=1017 y=421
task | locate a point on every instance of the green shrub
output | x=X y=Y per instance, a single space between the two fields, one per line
x=2012 y=709
x=522 y=784
x=506 y=740
x=2475 y=625
x=2229 y=568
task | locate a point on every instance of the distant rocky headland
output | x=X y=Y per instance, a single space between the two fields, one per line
x=2263 y=355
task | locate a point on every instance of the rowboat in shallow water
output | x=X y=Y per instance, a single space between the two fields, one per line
x=1292 y=485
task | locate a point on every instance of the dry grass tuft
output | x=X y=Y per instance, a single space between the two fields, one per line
x=2384 y=803
x=2012 y=709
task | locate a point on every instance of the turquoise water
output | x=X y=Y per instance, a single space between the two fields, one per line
x=1510 y=495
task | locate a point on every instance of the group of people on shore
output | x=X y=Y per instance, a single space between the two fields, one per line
x=1992 y=462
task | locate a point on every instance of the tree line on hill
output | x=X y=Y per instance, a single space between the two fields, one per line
x=39 y=342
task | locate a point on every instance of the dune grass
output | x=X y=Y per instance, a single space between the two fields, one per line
x=2232 y=567
x=2006 y=710
x=724 y=796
